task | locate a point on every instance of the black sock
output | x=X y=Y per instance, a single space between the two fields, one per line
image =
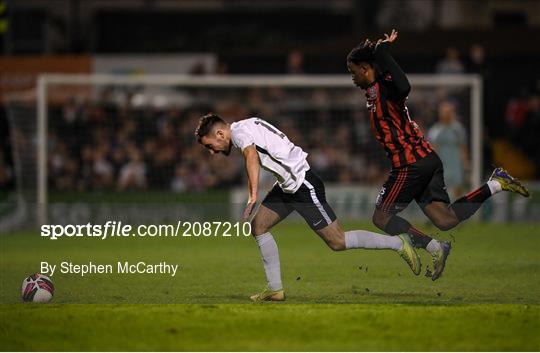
x=397 y=225
x=466 y=206
x=418 y=238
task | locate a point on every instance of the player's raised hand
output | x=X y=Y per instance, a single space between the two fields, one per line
x=389 y=38
x=249 y=208
x=392 y=37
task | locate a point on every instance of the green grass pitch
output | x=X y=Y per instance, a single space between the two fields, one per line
x=488 y=298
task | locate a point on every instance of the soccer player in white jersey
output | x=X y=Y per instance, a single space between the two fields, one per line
x=297 y=188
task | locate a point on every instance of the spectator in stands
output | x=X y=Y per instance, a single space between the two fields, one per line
x=179 y=182
x=516 y=110
x=449 y=137
x=477 y=63
x=451 y=63
x=86 y=167
x=61 y=165
x=103 y=170
x=133 y=174
x=295 y=62
x=166 y=153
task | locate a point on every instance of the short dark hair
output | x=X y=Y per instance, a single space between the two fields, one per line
x=206 y=124
x=361 y=53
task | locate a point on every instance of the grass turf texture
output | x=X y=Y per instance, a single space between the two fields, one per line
x=488 y=299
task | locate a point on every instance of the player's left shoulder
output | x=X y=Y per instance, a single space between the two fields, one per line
x=251 y=123
x=239 y=128
x=243 y=124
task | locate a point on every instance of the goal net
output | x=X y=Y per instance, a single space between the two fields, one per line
x=95 y=146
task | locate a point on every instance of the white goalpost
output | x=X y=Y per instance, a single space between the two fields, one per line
x=46 y=81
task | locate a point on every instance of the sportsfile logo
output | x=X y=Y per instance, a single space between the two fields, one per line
x=120 y=230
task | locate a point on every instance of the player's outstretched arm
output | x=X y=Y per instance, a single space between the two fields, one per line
x=383 y=57
x=253 y=168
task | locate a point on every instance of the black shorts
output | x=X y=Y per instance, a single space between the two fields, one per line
x=422 y=181
x=309 y=201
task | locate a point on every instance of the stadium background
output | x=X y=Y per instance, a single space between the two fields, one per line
x=130 y=150
x=146 y=134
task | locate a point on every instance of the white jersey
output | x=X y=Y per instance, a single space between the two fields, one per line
x=277 y=153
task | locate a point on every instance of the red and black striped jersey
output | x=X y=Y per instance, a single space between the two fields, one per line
x=392 y=126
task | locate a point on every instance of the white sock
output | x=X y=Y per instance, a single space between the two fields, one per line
x=494 y=186
x=364 y=239
x=270 y=256
x=433 y=246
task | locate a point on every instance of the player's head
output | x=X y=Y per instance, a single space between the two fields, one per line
x=360 y=64
x=447 y=112
x=214 y=134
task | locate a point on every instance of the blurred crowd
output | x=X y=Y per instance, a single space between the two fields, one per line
x=103 y=146
x=113 y=143
x=107 y=145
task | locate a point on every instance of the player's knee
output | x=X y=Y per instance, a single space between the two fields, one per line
x=445 y=224
x=257 y=228
x=380 y=219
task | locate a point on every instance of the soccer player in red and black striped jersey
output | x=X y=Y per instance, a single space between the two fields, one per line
x=417 y=171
